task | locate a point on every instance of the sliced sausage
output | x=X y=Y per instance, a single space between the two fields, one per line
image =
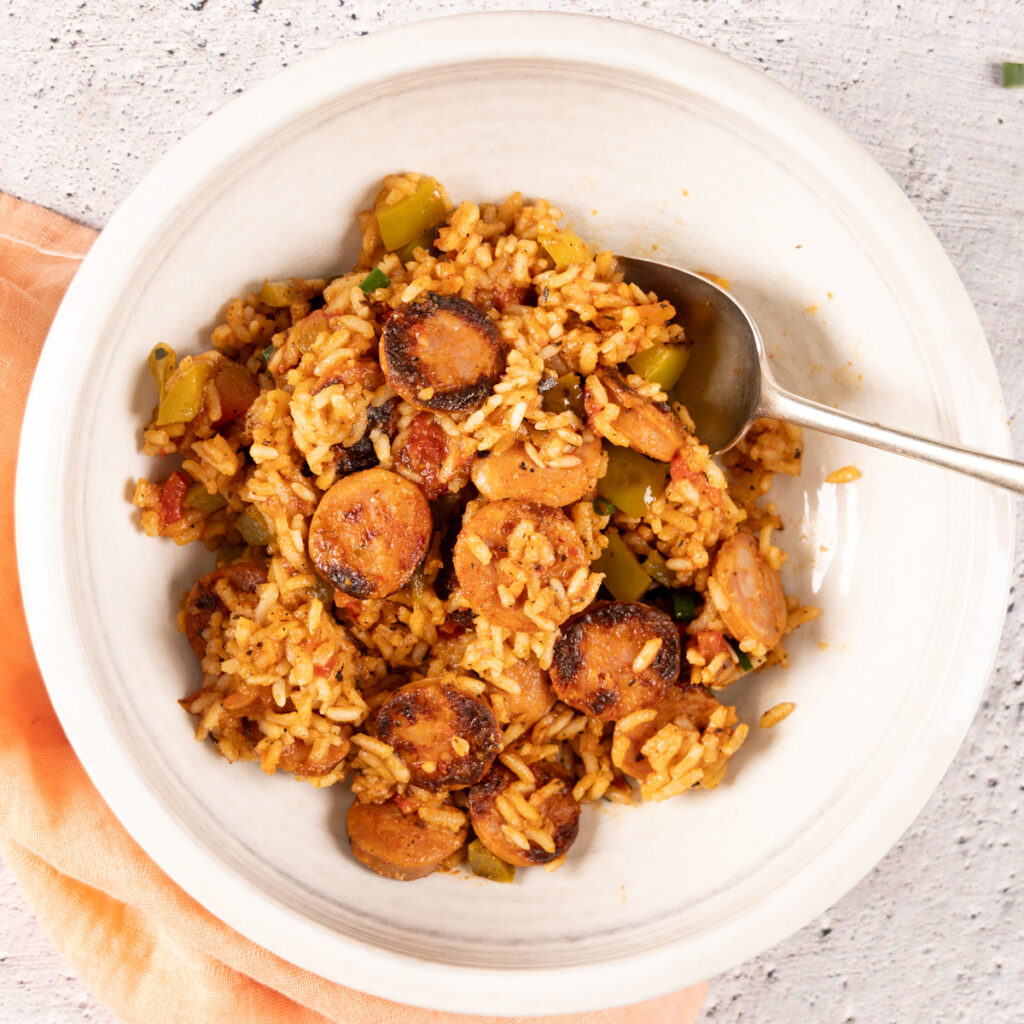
x=535 y=697
x=558 y=814
x=447 y=738
x=651 y=428
x=427 y=450
x=202 y=600
x=592 y=668
x=362 y=454
x=370 y=532
x=479 y=574
x=756 y=602
x=513 y=474
x=689 y=707
x=397 y=845
x=441 y=352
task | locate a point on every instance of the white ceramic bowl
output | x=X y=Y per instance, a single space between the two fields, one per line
x=651 y=145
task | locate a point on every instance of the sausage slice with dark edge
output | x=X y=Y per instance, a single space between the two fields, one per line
x=202 y=600
x=370 y=532
x=397 y=845
x=592 y=669
x=559 y=810
x=440 y=352
x=447 y=739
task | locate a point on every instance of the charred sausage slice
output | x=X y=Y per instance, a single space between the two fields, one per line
x=479 y=572
x=447 y=738
x=558 y=814
x=756 y=602
x=689 y=707
x=398 y=845
x=651 y=428
x=592 y=669
x=370 y=532
x=202 y=600
x=440 y=352
x=513 y=474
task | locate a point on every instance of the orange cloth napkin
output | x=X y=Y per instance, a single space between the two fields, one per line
x=136 y=940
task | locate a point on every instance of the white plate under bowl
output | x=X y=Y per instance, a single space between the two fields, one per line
x=651 y=145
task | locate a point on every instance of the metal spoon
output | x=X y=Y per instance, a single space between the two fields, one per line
x=728 y=382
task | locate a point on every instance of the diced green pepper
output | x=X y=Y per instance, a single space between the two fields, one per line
x=183 y=397
x=684 y=605
x=658 y=570
x=285 y=293
x=254 y=527
x=483 y=863
x=661 y=364
x=1013 y=75
x=624 y=576
x=417 y=584
x=565 y=247
x=375 y=279
x=408 y=252
x=162 y=362
x=323 y=590
x=199 y=498
x=402 y=222
x=565 y=396
x=632 y=480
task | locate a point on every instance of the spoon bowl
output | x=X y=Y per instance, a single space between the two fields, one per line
x=728 y=383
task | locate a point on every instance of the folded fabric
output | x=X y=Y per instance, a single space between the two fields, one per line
x=134 y=938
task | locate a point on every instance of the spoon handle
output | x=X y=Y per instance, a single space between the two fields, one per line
x=783 y=405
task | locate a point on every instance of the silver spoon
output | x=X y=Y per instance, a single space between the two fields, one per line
x=728 y=382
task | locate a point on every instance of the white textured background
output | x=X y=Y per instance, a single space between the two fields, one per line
x=93 y=92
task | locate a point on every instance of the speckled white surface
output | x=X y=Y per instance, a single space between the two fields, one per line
x=95 y=92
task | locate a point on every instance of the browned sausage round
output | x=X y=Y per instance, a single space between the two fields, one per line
x=447 y=738
x=513 y=474
x=479 y=577
x=689 y=707
x=202 y=599
x=441 y=352
x=756 y=601
x=651 y=428
x=370 y=532
x=398 y=845
x=592 y=669
x=558 y=813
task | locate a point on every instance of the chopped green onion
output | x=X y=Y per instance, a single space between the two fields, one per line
x=375 y=279
x=684 y=607
x=1013 y=75
x=603 y=507
x=741 y=656
x=267 y=353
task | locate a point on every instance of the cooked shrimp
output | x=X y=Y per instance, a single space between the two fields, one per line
x=598 y=666
x=398 y=845
x=513 y=474
x=688 y=707
x=557 y=814
x=651 y=428
x=447 y=738
x=202 y=599
x=370 y=532
x=441 y=352
x=483 y=545
x=755 y=603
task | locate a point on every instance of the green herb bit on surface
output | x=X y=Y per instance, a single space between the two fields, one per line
x=1013 y=75
x=375 y=279
x=267 y=353
x=603 y=507
x=483 y=863
x=745 y=663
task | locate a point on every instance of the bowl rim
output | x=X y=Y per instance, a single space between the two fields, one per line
x=612 y=45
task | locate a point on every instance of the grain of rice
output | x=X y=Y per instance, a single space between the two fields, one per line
x=776 y=714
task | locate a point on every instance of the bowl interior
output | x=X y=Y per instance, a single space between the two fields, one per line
x=639 y=166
